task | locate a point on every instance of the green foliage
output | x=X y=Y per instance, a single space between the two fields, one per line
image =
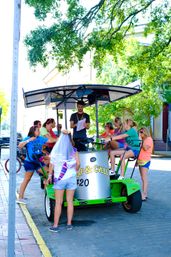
x=108 y=30
x=166 y=92
x=102 y=29
x=4 y=104
x=139 y=107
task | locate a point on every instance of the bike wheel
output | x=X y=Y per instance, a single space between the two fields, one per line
x=18 y=165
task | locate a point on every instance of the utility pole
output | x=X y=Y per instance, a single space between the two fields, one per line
x=0 y=119
x=13 y=131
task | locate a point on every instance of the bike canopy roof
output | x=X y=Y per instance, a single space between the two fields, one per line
x=67 y=96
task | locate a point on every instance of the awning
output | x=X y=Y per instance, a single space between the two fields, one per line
x=70 y=94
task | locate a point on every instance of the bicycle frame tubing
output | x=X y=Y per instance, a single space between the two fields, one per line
x=125 y=169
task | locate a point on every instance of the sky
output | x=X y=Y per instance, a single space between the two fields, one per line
x=28 y=79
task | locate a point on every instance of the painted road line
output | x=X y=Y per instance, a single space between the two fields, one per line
x=41 y=243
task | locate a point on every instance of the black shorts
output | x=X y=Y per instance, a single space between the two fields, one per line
x=80 y=144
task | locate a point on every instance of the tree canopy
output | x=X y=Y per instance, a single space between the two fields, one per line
x=110 y=30
x=140 y=107
x=102 y=29
x=4 y=104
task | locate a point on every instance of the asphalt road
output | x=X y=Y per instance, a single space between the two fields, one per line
x=109 y=231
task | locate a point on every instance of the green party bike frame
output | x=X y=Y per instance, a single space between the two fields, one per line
x=95 y=186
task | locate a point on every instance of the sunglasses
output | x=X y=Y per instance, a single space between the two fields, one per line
x=141 y=132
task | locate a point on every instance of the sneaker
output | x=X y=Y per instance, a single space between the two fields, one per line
x=111 y=172
x=69 y=227
x=21 y=201
x=120 y=177
x=54 y=229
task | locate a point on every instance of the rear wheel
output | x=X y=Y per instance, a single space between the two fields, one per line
x=134 y=201
x=18 y=165
x=49 y=207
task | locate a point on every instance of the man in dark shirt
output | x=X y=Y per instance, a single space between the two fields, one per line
x=79 y=132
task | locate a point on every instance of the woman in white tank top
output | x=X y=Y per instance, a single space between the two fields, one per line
x=64 y=164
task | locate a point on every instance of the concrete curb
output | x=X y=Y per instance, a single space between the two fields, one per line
x=161 y=154
x=40 y=242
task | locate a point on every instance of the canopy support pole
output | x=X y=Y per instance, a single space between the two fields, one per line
x=65 y=106
x=57 y=119
x=97 y=123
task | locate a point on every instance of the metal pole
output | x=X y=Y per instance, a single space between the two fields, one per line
x=57 y=114
x=97 y=124
x=65 y=110
x=0 y=119
x=65 y=115
x=13 y=132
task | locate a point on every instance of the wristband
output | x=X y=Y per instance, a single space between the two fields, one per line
x=27 y=141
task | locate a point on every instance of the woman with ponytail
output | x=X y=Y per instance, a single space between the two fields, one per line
x=132 y=146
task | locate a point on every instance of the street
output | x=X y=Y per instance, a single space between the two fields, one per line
x=109 y=231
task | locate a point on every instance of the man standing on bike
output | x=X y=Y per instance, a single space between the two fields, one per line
x=80 y=122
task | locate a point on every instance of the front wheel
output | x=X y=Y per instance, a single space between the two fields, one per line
x=133 y=203
x=49 y=207
x=18 y=165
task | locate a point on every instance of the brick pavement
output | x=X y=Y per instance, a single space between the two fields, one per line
x=25 y=243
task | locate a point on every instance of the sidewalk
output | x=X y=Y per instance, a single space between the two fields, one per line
x=25 y=243
x=162 y=154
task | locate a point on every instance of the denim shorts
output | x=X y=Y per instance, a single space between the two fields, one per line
x=135 y=152
x=121 y=145
x=32 y=166
x=68 y=184
x=147 y=165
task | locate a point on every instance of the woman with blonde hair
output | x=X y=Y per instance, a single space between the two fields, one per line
x=144 y=158
x=118 y=131
x=118 y=125
x=130 y=149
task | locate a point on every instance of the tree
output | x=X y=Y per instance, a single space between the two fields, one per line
x=4 y=104
x=107 y=30
x=166 y=92
x=140 y=107
x=101 y=29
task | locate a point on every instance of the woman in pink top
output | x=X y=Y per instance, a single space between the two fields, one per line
x=144 y=159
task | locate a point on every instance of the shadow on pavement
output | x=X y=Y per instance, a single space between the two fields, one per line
x=81 y=223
